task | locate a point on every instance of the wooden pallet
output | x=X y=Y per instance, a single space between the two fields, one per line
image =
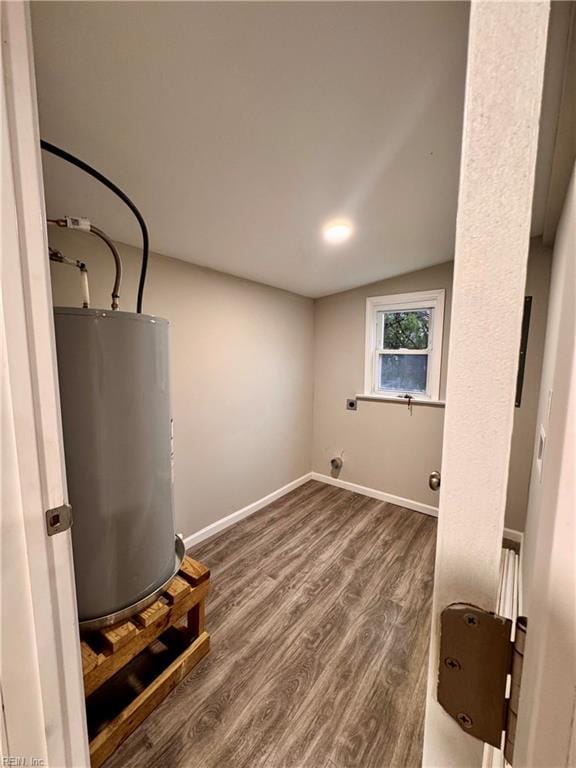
x=177 y=620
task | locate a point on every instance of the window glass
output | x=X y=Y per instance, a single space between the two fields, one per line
x=405 y=329
x=404 y=344
x=403 y=373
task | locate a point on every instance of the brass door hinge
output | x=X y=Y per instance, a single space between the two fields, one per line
x=477 y=655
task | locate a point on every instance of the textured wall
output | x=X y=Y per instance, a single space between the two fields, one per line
x=241 y=364
x=506 y=54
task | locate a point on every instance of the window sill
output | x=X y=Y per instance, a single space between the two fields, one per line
x=402 y=400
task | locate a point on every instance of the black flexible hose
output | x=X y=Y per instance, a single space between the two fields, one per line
x=45 y=145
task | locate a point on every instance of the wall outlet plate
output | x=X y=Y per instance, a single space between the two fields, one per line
x=351 y=404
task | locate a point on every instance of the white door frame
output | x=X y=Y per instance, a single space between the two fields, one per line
x=506 y=55
x=44 y=703
x=42 y=689
x=546 y=734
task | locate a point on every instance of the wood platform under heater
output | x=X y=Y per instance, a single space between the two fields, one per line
x=129 y=668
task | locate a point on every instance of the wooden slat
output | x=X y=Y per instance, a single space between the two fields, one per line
x=197 y=619
x=177 y=590
x=151 y=614
x=104 y=744
x=117 y=636
x=193 y=571
x=115 y=661
x=90 y=659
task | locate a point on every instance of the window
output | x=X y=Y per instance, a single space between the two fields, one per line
x=404 y=344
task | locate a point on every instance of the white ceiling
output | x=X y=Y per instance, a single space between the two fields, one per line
x=239 y=128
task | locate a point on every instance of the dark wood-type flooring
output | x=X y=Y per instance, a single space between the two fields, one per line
x=319 y=620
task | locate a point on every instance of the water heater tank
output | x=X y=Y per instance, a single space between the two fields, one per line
x=115 y=397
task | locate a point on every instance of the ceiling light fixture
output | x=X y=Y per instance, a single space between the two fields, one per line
x=337 y=231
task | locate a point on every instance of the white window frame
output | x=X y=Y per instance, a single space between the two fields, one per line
x=434 y=300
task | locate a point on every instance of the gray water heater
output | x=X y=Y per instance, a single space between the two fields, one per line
x=115 y=396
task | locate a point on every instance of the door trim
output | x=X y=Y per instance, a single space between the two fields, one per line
x=50 y=649
x=505 y=70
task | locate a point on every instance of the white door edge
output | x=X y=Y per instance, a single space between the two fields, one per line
x=48 y=649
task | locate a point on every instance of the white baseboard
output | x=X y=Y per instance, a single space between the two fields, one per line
x=417 y=506
x=240 y=514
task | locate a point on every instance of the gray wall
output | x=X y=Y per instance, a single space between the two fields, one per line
x=260 y=378
x=241 y=363
x=384 y=445
x=537 y=286
x=546 y=728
